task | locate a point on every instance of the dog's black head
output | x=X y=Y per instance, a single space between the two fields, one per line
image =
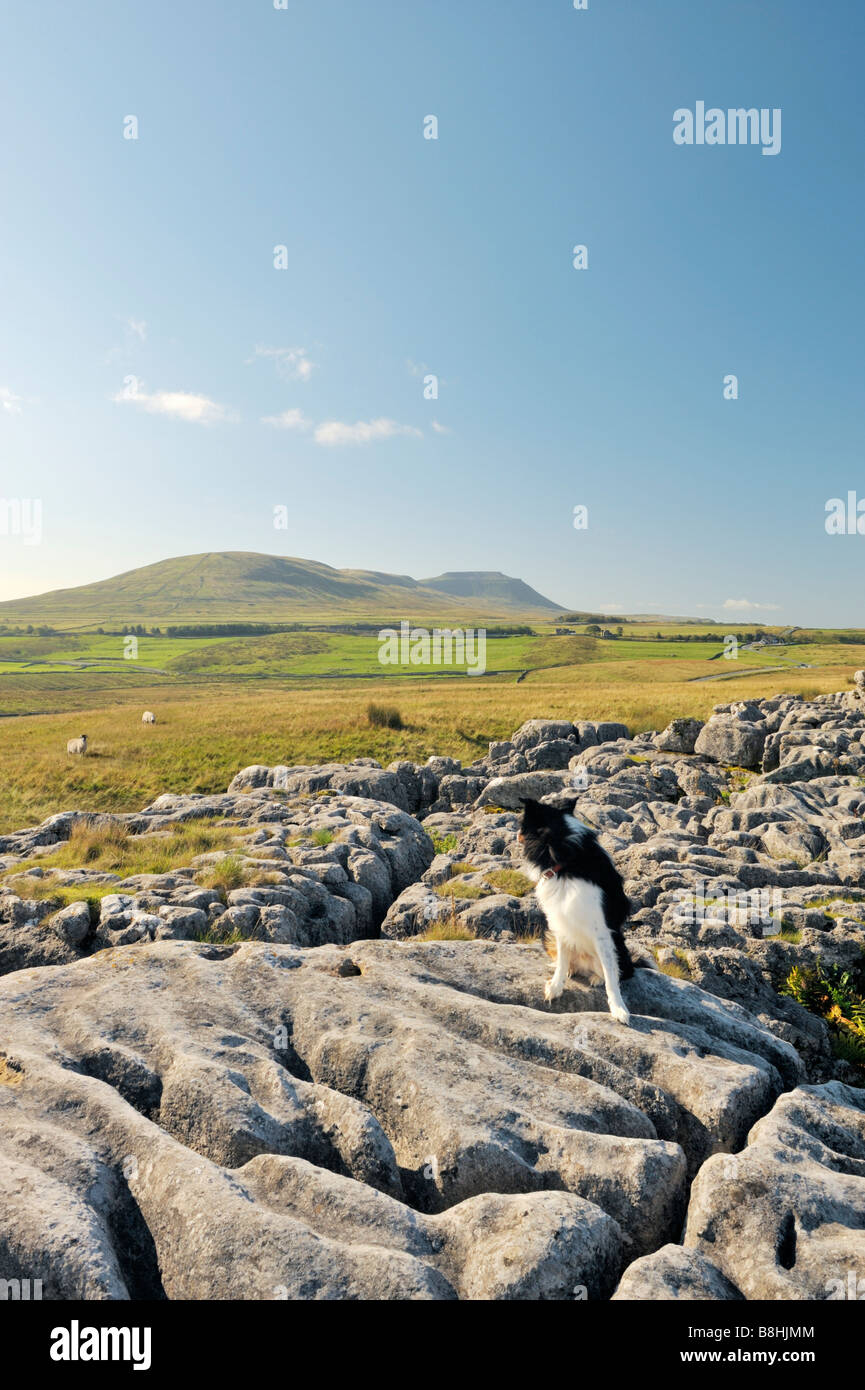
x=546 y=834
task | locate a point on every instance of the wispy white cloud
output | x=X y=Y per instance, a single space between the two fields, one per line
x=181 y=405
x=138 y=329
x=362 y=432
x=293 y=363
x=288 y=420
x=441 y=429
x=9 y=402
x=744 y=605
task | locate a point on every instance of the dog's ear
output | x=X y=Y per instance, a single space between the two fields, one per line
x=531 y=808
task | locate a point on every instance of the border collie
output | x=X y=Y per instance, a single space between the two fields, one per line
x=583 y=901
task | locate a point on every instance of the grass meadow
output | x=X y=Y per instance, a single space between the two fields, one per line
x=222 y=704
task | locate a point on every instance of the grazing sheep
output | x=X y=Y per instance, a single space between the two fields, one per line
x=148 y=717
x=77 y=745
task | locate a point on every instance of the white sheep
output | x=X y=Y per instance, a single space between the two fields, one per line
x=77 y=745
x=148 y=717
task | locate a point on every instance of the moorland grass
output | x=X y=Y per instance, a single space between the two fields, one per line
x=111 y=849
x=207 y=730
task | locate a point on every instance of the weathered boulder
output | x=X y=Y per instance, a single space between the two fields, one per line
x=785 y=1218
x=510 y=792
x=680 y=736
x=726 y=739
x=674 y=1273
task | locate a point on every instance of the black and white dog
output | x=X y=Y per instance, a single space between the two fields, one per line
x=583 y=901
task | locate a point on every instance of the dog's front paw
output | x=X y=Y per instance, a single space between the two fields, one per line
x=620 y=1014
x=552 y=991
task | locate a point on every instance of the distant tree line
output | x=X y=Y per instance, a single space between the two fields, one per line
x=229 y=629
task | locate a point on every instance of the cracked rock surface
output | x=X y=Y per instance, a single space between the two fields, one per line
x=281 y=1089
x=374 y=1121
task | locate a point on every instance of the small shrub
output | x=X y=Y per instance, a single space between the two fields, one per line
x=838 y=997
x=321 y=837
x=443 y=844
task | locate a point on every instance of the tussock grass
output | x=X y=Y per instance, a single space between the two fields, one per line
x=449 y=929
x=510 y=881
x=212 y=935
x=677 y=969
x=458 y=888
x=840 y=906
x=225 y=874
x=110 y=848
x=384 y=716
x=42 y=890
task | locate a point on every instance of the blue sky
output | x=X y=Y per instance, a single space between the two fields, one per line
x=152 y=259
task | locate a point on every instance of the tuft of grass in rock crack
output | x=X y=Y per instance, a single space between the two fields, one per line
x=448 y=928
x=510 y=881
x=447 y=931
x=677 y=969
x=212 y=935
x=42 y=890
x=226 y=874
x=839 y=906
x=110 y=848
x=791 y=935
x=457 y=888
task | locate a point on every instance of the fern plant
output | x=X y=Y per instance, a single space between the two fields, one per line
x=838 y=997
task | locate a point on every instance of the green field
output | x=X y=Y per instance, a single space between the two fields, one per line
x=312 y=653
x=222 y=703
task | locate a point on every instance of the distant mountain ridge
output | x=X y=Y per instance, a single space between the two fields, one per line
x=489 y=584
x=238 y=586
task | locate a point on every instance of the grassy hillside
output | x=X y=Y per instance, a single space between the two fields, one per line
x=241 y=586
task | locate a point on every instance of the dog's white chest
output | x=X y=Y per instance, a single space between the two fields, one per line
x=574 y=909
